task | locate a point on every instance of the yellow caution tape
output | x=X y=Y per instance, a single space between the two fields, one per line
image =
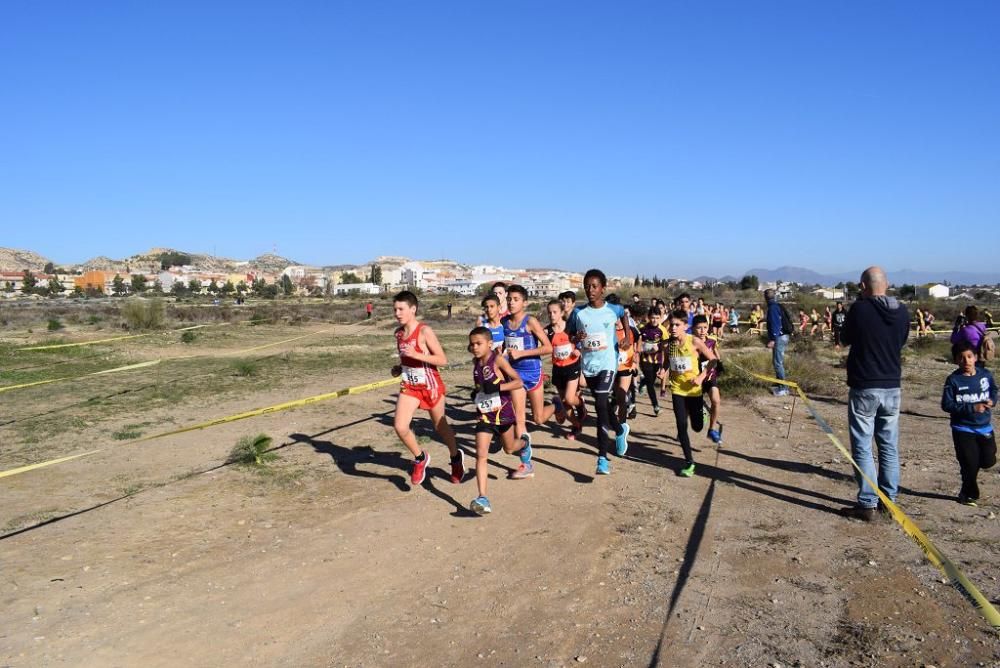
x=275 y=408
x=32 y=467
x=140 y=365
x=278 y=343
x=933 y=554
x=116 y=338
x=211 y=423
x=127 y=367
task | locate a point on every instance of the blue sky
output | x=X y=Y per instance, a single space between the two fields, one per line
x=674 y=138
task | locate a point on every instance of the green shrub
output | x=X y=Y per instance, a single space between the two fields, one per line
x=246 y=368
x=127 y=433
x=54 y=324
x=252 y=451
x=188 y=337
x=142 y=313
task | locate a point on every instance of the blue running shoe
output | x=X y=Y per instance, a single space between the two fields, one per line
x=526 y=450
x=480 y=506
x=621 y=440
x=715 y=436
x=603 y=466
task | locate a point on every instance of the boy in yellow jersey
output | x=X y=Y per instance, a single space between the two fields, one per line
x=686 y=377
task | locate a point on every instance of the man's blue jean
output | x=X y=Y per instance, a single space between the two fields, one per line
x=875 y=413
x=778 y=357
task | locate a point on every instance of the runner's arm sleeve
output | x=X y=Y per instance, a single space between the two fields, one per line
x=950 y=405
x=572 y=325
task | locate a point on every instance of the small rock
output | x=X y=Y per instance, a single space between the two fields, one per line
x=872 y=562
x=701 y=628
x=581 y=659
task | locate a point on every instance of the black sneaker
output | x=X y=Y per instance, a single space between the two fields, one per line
x=967 y=501
x=859 y=513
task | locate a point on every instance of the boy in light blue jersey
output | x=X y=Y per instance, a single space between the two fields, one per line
x=593 y=327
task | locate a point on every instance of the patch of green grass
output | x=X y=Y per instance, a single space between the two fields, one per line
x=29 y=519
x=54 y=324
x=128 y=432
x=252 y=451
x=188 y=337
x=246 y=368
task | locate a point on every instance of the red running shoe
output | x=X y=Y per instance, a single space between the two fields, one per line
x=458 y=468
x=419 y=470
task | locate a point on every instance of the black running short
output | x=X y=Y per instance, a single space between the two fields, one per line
x=490 y=428
x=562 y=375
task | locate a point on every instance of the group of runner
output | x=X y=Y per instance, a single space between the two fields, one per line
x=599 y=346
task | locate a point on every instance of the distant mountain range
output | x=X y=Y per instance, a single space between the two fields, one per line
x=18 y=260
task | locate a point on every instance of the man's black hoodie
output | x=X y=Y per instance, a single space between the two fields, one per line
x=876 y=330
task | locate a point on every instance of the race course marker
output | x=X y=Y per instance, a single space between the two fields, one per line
x=957 y=578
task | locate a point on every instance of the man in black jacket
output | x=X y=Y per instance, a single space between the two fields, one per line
x=876 y=329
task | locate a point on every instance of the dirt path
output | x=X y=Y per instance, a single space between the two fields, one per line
x=334 y=560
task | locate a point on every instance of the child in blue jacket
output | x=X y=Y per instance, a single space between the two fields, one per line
x=969 y=395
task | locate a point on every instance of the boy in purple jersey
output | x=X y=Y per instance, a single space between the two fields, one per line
x=494 y=379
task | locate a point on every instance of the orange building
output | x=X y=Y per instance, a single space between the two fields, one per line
x=92 y=280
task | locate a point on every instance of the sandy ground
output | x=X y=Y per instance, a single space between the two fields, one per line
x=333 y=560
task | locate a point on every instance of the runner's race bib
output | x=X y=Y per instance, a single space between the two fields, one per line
x=514 y=342
x=650 y=346
x=496 y=345
x=680 y=364
x=488 y=403
x=595 y=342
x=622 y=357
x=414 y=375
x=562 y=352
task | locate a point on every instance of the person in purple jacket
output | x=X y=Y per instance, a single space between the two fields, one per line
x=969 y=330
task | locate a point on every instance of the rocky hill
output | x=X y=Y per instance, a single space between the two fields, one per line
x=13 y=259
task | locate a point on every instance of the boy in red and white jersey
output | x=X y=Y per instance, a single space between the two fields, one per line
x=420 y=355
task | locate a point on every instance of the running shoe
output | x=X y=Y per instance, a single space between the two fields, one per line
x=458 y=468
x=715 y=436
x=523 y=471
x=663 y=393
x=571 y=436
x=481 y=506
x=621 y=441
x=419 y=470
x=967 y=501
x=780 y=391
x=632 y=413
x=603 y=466
x=687 y=471
x=526 y=450
x=656 y=411
x=581 y=411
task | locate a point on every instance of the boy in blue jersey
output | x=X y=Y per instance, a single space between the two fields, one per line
x=525 y=342
x=491 y=320
x=593 y=327
x=969 y=395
